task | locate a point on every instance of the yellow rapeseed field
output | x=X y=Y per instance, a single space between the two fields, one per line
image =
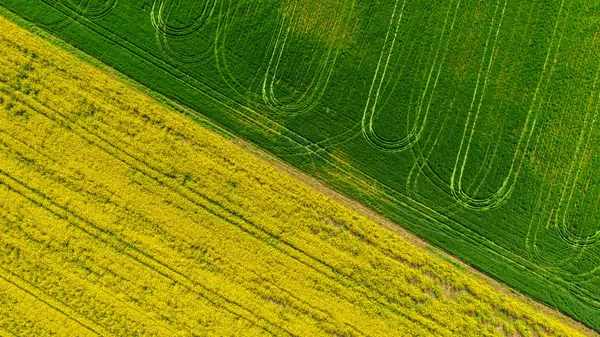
x=122 y=217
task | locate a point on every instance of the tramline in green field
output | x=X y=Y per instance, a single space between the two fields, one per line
x=473 y=124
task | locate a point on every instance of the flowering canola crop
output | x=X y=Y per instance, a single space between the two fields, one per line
x=122 y=217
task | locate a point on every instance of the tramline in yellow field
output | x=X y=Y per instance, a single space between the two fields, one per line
x=122 y=217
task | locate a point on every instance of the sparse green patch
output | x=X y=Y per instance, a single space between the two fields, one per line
x=332 y=21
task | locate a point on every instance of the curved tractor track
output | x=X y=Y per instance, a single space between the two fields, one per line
x=161 y=13
x=81 y=8
x=382 y=75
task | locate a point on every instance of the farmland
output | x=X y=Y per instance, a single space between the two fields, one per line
x=471 y=123
x=122 y=217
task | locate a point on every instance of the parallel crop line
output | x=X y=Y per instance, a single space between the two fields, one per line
x=217 y=209
x=122 y=247
x=56 y=305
